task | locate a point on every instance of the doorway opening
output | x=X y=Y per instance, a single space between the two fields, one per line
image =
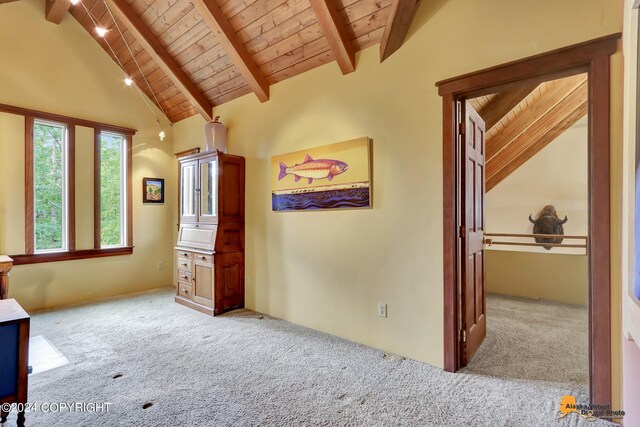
x=463 y=239
x=532 y=165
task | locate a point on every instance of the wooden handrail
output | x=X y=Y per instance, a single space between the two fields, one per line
x=488 y=240
x=537 y=235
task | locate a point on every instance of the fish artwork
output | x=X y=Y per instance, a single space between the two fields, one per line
x=313 y=169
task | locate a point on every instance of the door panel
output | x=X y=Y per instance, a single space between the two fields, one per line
x=188 y=200
x=473 y=300
x=203 y=281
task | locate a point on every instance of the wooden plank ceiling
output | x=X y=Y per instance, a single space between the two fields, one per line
x=521 y=122
x=196 y=54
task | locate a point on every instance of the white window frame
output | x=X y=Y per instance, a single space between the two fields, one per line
x=65 y=187
x=123 y=188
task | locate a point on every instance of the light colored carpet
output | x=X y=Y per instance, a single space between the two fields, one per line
x=537 y=340
x=245 y=369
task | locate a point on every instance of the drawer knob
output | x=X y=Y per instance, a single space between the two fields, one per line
x=203 y=257
x=185 y=264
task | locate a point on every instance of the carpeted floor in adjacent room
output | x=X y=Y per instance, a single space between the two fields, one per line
x=245 y=369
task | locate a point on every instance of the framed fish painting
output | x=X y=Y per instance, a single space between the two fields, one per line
x=335 y=176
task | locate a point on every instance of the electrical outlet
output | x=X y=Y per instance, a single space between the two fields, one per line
x=160 y=265
x=382 y=310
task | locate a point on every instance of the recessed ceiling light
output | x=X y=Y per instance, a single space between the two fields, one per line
x=128 y=81
x=101 y=31
x=162 y=135
x=74 y=2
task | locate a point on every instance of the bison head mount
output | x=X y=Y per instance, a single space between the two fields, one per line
x=547 y=222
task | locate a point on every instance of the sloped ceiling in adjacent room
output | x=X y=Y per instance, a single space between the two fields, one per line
x=521 y=122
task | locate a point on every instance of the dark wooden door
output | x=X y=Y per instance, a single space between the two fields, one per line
x=472 y=292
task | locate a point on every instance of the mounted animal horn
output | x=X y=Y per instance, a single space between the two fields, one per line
x=548 y=222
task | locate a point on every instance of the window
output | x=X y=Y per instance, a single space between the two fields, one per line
x=50 y=188
x=112 y=189
x=50 y=198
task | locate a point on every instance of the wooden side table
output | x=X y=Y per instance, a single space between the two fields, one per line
x=14 y=356
x=6 y=264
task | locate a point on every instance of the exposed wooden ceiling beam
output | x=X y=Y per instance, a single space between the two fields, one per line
x=400 y=17
x=227 y=37
x=550 y=136
x=502 y=104
x=165 y=61
x=564 y=115
x=55 y=10
x=560 y=90
x=334 y=30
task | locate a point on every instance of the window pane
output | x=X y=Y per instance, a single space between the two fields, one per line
x=49 y=185
x=111 y=189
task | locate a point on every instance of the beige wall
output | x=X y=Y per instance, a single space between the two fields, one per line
x=561 y=278
x=328 y=270
x=61 y=69
x=557 y=176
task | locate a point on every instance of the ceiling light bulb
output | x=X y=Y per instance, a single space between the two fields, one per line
x=128 y=81
x=162 y=135
x=74 y=2
x=101 y=31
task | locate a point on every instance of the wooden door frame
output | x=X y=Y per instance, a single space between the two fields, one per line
x=592 y=57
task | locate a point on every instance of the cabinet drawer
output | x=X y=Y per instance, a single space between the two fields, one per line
x=184 y=290
x=207 y=259
x=185 y=254
x=184 y=264
x=184 y=277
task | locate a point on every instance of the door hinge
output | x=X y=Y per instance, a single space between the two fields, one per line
x=461 y=231
x=461 y=128
x=463 y=335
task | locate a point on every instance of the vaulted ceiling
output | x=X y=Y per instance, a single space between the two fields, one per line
x=521 y=122
x=196 y=54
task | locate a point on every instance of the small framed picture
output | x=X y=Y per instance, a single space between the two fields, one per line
x=152 y=190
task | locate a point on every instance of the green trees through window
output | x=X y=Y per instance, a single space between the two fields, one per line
x=112 y=149
x=49 y=174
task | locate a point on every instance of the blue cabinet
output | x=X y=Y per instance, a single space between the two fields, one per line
x=14 y=355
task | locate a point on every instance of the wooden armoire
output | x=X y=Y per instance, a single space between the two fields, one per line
x=210 y=247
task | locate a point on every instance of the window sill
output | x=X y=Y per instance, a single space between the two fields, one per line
x=70 y=255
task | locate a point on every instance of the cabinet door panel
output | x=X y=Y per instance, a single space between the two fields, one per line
x=188 y=186
x=203 y=284
x=229 y=280
x=208 y=190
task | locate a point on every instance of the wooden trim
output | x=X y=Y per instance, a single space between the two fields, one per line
x=189 y=152
x=592 y=56
x=70 y=255
x=599 y=230
x=546 y=66
x=450 y=251
x=96 y=189
x=4 y=108
x=71 y=188
x=29 y=237
x=55 y=10
x=398 y=23
x=335 y=32
x=233 y=46
x=129 y=185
